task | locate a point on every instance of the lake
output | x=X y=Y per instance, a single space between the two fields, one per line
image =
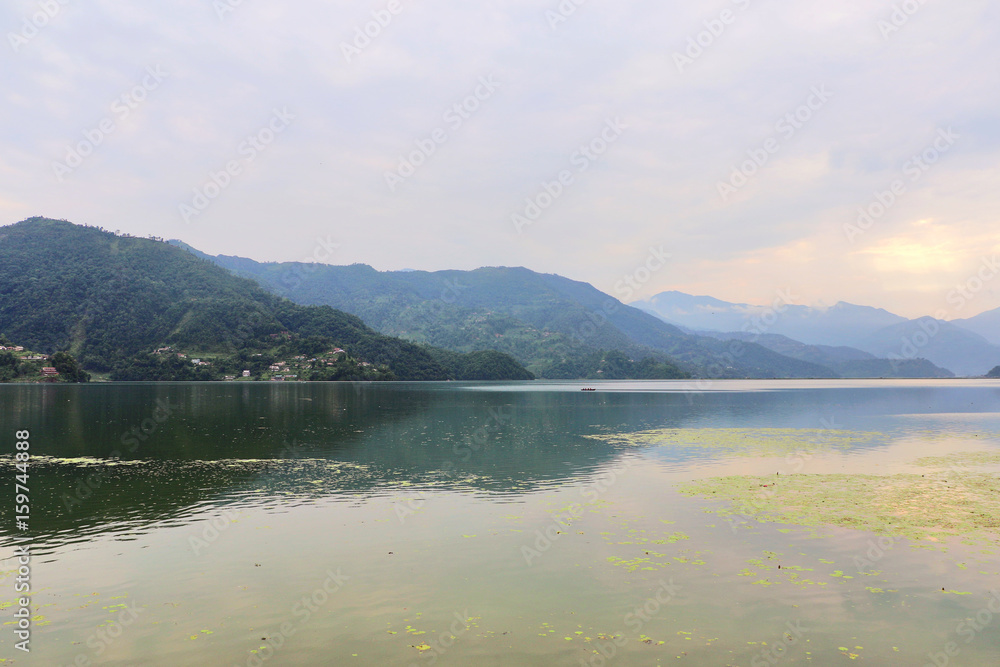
x=645 y=523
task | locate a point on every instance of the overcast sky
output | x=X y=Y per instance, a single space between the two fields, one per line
x=169 y=92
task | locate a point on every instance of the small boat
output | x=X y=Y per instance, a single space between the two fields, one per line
x=588 y=389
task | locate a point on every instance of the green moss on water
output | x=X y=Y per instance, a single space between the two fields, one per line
x=746 y=441
x=921 y=508
x=959 y=459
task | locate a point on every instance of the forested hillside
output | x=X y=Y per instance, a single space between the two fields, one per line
x=558 y=328
x=112 y=301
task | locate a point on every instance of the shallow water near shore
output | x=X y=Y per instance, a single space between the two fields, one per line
x=508 y=524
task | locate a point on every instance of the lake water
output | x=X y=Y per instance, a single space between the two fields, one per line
x=481 y=524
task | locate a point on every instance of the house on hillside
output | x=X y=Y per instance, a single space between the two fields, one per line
x=50 y=372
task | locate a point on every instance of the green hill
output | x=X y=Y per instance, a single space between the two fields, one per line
x=556 y=327
x=112 y=301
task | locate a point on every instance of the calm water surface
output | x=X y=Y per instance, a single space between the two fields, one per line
x=465 y=524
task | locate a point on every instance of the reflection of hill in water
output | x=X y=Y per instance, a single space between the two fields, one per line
x=280 y=444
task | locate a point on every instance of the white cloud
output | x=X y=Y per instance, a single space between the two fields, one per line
x=658 y=185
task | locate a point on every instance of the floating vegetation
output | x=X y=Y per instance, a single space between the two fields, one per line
x=959 y=460
x=747 y=441
x=918 y=507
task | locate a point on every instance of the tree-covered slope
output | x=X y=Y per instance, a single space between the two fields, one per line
x=555 y=326
x=111 y=300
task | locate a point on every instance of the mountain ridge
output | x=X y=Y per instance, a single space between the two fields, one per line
x=115 y=300
x=577 y=315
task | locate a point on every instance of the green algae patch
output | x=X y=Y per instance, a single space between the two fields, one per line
x=746 y=441
x=917 y=507
x=960 y=460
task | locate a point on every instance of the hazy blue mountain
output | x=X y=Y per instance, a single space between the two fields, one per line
x=840 y=325
x=847 y=362
x=547 y=322
x=943 y=343
x=888 y=368
x=825 y=355
x=985 y=324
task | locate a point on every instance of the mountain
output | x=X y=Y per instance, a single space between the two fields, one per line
x=847 y=362
x=985 y=324
x=823 y=355
x=891 y=368
x=943 y=343
x=143 y=309
x=556 y=327
x=839 y=325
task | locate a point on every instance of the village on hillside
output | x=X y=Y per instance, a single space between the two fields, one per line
x=18 y=364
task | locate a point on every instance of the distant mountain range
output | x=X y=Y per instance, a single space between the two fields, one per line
x=560 y=328
x=143 y=309
x=839 y=325
x=965 y=347
x=985 y=324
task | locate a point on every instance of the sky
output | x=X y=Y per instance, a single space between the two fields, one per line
x=724 y=148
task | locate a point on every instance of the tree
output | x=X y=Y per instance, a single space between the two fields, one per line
x=68 y=368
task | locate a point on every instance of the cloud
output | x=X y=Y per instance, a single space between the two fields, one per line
x=657 y=185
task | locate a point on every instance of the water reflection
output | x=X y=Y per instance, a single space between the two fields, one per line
x=112 y=458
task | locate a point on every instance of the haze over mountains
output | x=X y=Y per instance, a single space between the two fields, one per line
x=965 y=347
x=116 y=301
x=551 y=324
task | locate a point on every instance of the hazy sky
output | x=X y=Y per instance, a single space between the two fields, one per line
x=115 y=114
